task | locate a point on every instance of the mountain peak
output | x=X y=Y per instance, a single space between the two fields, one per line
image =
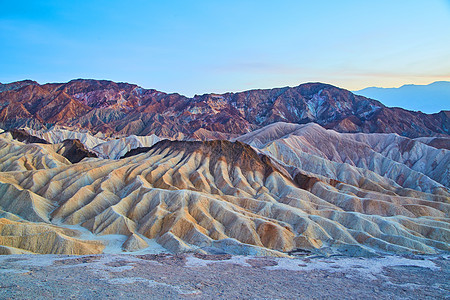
x=123 y=109
x=16 y=85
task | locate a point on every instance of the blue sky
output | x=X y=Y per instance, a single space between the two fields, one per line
x=195 y=47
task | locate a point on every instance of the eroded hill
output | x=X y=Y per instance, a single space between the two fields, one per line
x=281 y=188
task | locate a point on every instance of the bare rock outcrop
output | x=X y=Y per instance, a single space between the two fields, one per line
x=26 y=237
x=122 y=109
x=299 y=188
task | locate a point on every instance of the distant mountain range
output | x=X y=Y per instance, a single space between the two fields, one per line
x=121 y=109
x=425 y=98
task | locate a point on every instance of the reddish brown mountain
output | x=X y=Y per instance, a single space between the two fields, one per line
x=124 y=109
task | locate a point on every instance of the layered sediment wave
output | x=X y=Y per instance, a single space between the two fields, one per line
x=276 y=190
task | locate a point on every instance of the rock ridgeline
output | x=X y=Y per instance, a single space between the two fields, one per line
x=122 y=109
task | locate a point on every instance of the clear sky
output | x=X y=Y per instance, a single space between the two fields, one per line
x=194 y=47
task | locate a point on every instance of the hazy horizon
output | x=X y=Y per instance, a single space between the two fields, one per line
x=237 y=91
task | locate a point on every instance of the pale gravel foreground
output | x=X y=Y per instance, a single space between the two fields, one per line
x=164 y=276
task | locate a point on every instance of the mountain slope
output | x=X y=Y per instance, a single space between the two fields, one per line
x=122 y=109
x=221 y=196
x=353 y=157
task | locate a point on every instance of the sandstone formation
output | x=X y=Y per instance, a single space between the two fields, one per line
x=26 y=237
x=436 y=142
x=301 y=187
x=17 y=156
x=23 y=136
x=74 y=150
x=102 y=146
x=117 y=148
x=58 y=134
x=382 y=158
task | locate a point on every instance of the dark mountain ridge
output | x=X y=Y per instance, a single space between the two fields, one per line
x=125 y=109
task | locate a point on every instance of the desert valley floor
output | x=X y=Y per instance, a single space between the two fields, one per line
x=198 y=276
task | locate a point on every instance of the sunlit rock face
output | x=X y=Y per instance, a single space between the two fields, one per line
x=122 y=109
x=382 y=158
x=281 y=188
x=92 y=146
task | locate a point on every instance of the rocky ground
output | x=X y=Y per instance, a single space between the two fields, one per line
x=163 y=276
